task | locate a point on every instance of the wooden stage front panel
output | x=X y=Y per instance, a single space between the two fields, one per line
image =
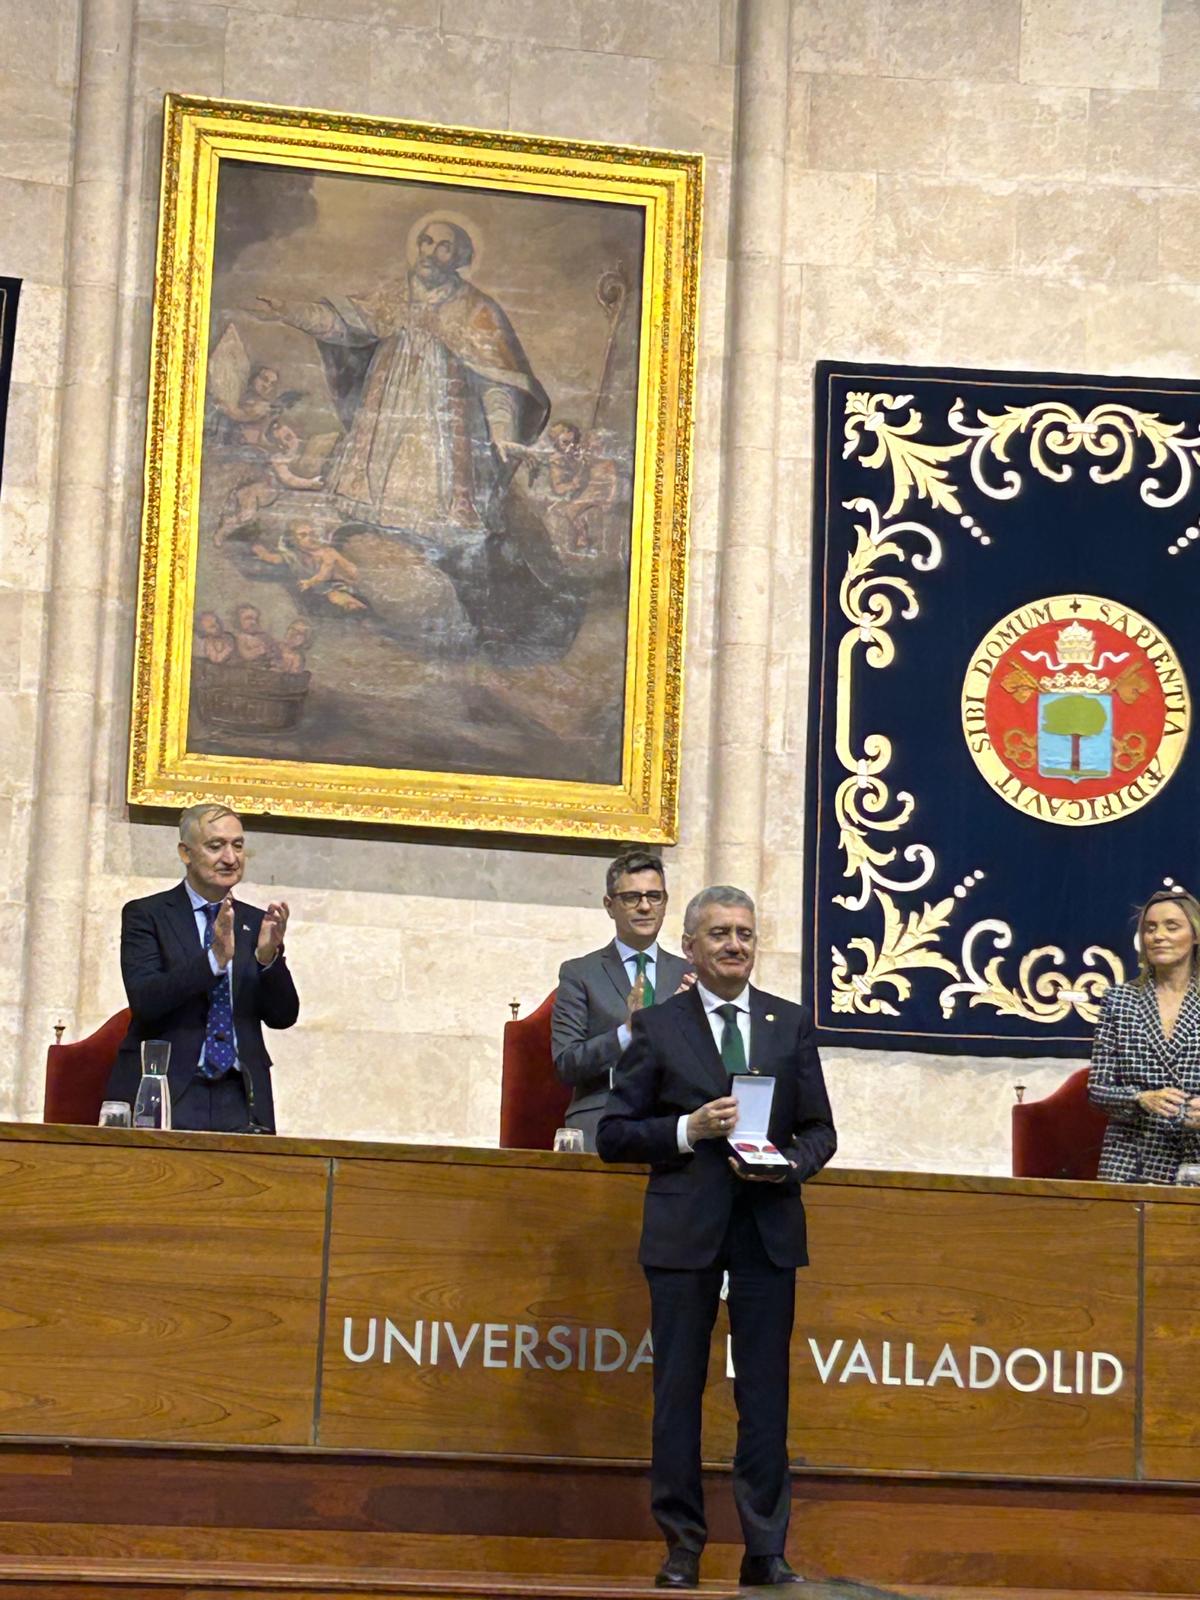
x=157 y=1294
x=915 y=1273
x=501 y=1312
x=480 y=1294
x=204 y=1290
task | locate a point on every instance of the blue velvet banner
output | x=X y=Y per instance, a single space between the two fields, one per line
x=9 y=292
x=1004 y=632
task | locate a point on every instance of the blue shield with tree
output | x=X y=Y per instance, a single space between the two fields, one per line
x=1075 y=735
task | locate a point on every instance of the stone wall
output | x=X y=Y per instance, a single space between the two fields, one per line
x=975 y=182
x=1005 y=183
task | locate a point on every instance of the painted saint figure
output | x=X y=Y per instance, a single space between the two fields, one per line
x=433 y=389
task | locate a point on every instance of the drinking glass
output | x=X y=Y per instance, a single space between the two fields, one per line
x=156 y=1056
x=115 y=1114
x=569 y=1140
x=1189 y=1174
x=152 y=1107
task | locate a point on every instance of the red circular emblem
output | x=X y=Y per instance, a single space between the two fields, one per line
x=1075 y=709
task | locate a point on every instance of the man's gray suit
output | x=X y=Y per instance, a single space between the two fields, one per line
x=589 y=1009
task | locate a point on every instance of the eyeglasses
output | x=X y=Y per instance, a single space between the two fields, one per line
x=630 y=897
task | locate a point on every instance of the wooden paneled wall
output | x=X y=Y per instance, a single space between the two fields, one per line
x=193 y=1289
x=217 y=1351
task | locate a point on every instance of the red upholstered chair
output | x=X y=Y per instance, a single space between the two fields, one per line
x=1059 y=1136
x=77 y=1073
x=533 y=1101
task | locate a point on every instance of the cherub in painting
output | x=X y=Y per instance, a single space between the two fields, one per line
x=318 y=568
x=296 y=641
x=213 y=642
x=244 y=503
x=255 y=646
x=244 y=400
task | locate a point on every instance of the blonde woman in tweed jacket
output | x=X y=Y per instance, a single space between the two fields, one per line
x=1146 y=1055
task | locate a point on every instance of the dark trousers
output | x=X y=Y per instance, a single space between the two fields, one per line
x=683 y=1309
x=212 y=1107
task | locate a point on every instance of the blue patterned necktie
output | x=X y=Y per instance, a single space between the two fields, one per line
x=220 y=1053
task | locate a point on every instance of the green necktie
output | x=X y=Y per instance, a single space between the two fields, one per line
x=648 y=991
x=733 y=1051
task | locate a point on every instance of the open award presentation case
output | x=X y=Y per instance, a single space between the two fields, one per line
x=748 y=1142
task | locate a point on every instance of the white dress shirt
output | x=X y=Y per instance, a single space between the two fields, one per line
x=717 y=1024
x=198 y=905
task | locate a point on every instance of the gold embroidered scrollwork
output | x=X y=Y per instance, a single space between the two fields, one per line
x=1042 y=997
x=915 y=466
x=872 y=602
x=904 y=945
x=1110 y=434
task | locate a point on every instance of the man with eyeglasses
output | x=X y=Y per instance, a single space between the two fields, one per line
x=598 y=994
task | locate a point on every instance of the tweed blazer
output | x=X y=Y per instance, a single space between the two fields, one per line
x=1130 y=1053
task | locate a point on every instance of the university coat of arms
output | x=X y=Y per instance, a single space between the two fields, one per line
x=1075 y=709
x=1004 y=633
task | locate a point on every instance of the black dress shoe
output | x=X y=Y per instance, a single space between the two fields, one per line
x=765 y=1570
x=681 y=1570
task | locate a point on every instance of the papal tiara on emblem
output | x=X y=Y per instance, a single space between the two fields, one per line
x=1076 y=646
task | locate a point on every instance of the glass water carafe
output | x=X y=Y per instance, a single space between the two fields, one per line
x=152 y=1108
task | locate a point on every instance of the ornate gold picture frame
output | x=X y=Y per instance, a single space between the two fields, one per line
x=417 y=466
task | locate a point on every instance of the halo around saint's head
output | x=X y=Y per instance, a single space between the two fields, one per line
x=457 y=220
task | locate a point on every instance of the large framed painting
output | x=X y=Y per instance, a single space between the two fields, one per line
x=418 y=448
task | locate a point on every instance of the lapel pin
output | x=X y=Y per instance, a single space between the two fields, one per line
x=770 y=1017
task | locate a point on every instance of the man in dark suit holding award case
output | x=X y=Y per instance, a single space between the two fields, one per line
x=205 y=972
x=599 y=993
x=705 y=1214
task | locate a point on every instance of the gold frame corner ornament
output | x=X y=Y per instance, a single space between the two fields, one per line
x=199 y=135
